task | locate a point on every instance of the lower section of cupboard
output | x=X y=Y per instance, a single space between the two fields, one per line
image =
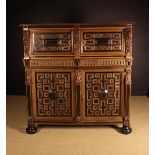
x=78 y=97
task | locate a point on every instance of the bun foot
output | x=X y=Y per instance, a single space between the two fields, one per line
x=31 y=129
x=126 y=129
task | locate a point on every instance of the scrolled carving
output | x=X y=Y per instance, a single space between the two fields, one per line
x=26 y=41
x=128 y=39
x=76 y=38
x=78 y=77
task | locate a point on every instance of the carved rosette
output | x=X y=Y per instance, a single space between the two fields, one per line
x=128 y=39
x=76 y=34
x=26 y=41
x=78 y=77
x=28 y=77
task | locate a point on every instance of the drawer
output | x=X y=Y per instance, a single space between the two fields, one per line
x=105 y=41
x=51 y=42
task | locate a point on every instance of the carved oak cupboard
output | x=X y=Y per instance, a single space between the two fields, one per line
x=78 y=74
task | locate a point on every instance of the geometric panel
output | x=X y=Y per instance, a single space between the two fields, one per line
x=61 y=84
x=102 y=41
x=97 y=82
x=56 y=42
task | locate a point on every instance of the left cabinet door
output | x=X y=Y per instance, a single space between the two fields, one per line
x=52 y=96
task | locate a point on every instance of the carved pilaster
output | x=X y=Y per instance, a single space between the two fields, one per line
x=128 y=39
x=27 y=77
x=78 y=77
x=26 y=42
x=128 y=76
x=76 y=37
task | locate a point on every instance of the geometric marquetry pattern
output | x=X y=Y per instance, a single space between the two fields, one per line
x=114 y=41
x=61 y=84
x=97 y=82
x=63 y=42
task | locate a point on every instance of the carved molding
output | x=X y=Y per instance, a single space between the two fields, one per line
x=102 y=62
x=52 y=63
x=77 y=63
x=78 y=77
x=26 y=41
x=128 y=39
x=76 y=40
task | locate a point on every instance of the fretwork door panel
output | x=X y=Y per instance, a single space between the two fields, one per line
x=102 y=96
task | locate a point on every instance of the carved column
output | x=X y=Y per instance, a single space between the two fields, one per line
x=77 y=73
x=128 y=51
x=78 y=79
x=28 y=79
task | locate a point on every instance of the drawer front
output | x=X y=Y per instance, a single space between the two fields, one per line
x=52 y=42
x=102 y=96
x=53 y=96
x=102 y=42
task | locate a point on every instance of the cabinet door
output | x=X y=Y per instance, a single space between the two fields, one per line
x=52 y=95
x=102 y=99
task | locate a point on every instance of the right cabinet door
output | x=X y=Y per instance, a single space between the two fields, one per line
x=102 y=96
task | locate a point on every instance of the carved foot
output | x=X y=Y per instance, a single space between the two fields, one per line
x=31 y=129
x=126 y=129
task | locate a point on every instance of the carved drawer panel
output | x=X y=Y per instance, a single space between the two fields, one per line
x=52 y=42
x=102 y=41
x=53 y=94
